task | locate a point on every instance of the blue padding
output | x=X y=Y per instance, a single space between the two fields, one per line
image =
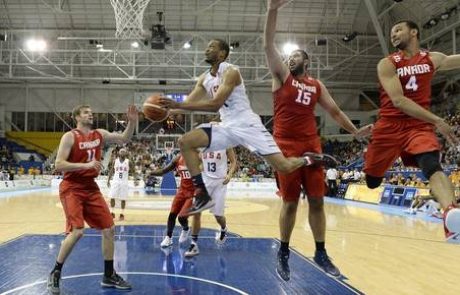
x=168 y=184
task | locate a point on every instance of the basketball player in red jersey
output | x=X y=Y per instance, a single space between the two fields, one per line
x=182 y=202
x=295 y=95
x=79 y=157
x=406 y=126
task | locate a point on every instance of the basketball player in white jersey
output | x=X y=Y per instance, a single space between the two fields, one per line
x=216 y=175
x=239 y=126
x=119 y=187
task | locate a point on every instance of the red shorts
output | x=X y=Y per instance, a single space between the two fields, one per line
x=84 y=202
x=393 y=138
x=182 y=202
x=311 y=178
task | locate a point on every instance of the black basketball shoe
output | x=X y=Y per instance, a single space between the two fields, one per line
x=282 y=267
x=326 y=264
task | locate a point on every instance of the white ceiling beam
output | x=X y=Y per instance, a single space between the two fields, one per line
x=377 y=27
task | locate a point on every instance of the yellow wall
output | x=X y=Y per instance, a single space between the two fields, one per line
x=42 y=142
x=360 y=192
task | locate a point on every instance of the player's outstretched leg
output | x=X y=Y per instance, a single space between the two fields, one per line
x=201 y=202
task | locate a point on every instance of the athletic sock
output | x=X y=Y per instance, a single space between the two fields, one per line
x=57 y=266
x=320 y=246
x=108 y=268
x=284 y=247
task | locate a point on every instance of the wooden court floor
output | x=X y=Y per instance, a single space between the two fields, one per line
x=378 y=253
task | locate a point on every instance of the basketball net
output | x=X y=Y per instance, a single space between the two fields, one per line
x=169 y=148
x=169 y=152
x=128 y=17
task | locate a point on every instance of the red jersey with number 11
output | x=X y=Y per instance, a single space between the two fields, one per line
x=294 y=108
x=86 y=147
x=415 y=75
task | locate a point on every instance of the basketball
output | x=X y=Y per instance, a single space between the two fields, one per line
x=152 y=109
x=453 y=220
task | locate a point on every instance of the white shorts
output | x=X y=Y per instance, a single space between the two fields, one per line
x=252 y=135
x=118 y=190
x=217 y=190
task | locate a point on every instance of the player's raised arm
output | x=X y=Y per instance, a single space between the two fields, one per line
x=444 y=62
x=113 y=137
x=231 y=78
x=275 y=63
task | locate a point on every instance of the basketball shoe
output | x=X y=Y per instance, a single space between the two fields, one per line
x=193 y=250
x=202 y=201
x=53 y=282
x=451 y=216
x=282 y=267
x=221 y=236
x=167 y=241
x=314 y=159
x=184 y=235
x=325 y=263
x=115 y=281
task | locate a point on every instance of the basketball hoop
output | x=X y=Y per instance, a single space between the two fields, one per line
x=128 y=17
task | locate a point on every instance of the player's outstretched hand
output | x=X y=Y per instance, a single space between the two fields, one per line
x=94 y=164
x=448 y=132
x=364 y=132
x=227 y=179
x=275 y=4
x=168 y=103
x=132 y=114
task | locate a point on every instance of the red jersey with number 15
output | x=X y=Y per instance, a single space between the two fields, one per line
x=86 y=147
x=186 y=183
x=415 y=75
x=294 y=108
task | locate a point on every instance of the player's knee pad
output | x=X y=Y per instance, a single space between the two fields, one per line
x=429 y=163
x=373 y=181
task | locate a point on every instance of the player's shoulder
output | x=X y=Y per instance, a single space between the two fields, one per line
x=226 y=67
x=69 y=136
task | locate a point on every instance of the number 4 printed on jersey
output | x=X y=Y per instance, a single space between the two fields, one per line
x=412 y=84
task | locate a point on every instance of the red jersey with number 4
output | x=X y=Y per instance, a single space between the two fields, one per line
x=86 y=147
x=294 y=108
x=415 y=75
x=186 y=183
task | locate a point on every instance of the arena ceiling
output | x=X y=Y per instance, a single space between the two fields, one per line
x=72 y=28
